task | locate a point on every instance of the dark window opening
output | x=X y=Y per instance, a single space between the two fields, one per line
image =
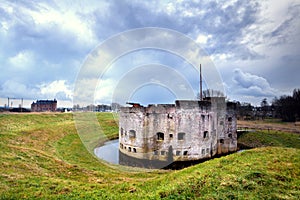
x=229 y=119
x=177 y=153
x=203 y=117
x=222 y=141
x=221 y=123
x=230 y=135
x=181 y=136
x=132 y=134
x=134 y=150
x=185 y=153
x=203 y=151
x=156 y=153
x=129 y=149
x=121 y=145
x=160 y=136
x=170 y=116
x=171 y=135
x=122 y=130
x=205 y=134
x=162 y=153
x=125 y=147
x=207 y=150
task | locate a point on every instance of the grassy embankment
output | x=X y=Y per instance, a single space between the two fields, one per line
x=43 y=157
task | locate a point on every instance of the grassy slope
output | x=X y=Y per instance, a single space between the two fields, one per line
x=263 y=138
x=43 y=157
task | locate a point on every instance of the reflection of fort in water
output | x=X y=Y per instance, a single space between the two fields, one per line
x=187 y=131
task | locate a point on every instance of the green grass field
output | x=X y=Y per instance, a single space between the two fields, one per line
x=42 y=157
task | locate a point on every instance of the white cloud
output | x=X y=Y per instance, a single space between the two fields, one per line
x=58 y=89
x=104 y=90
x=202 y=39
x=250 y=84
x=22 y=60
x=68 y=21
x=15 y=89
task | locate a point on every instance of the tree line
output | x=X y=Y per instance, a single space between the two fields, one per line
x=286 y=108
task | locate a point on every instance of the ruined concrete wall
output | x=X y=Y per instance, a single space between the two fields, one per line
x=131 y=127
x=188 y=130
x=193 y=120
x=227 y=141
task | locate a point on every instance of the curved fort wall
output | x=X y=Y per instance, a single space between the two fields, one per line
x=184 y=131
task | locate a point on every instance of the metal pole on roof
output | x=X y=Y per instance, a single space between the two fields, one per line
x=200 y=83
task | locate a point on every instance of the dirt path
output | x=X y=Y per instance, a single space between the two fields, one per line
x=262 y=125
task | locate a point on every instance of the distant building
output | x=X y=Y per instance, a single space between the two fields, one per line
x=44 y=106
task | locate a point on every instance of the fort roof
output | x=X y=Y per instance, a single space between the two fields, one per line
x=184 y=104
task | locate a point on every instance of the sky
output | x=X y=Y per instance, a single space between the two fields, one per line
x=49 y=49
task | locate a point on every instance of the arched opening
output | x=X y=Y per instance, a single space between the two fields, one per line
x=160 y=136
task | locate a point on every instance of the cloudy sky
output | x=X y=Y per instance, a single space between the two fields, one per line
x=254 y=46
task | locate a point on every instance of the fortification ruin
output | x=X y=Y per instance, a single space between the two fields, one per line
x=188 y=130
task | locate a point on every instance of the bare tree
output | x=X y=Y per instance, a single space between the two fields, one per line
x=211 y=93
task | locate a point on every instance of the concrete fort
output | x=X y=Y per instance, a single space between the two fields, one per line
x=185 y=131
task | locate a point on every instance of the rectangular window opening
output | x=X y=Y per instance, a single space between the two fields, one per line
x=205 y=134
x=181 y=136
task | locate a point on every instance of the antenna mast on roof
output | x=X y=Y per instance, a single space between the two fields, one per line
x=201 y=84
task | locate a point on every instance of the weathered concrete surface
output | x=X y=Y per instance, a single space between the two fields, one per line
x=184 y=131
